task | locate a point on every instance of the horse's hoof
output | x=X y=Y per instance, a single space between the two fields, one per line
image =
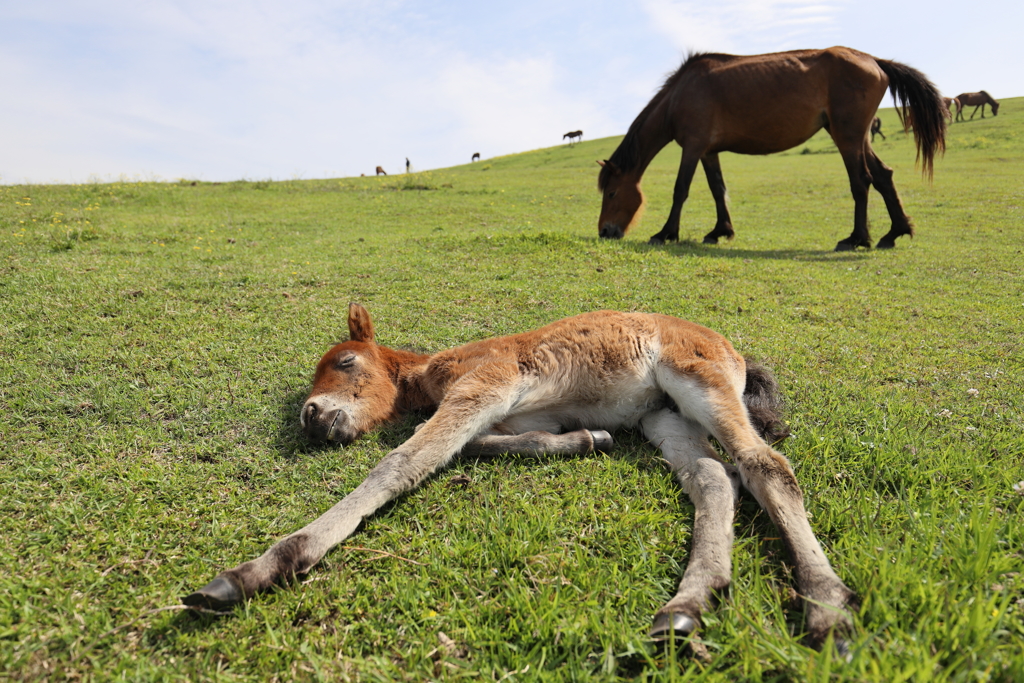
x=219 y=594
x=848 y=245
x=602 y=441
x=656 y=241
x=709 y=239
x=672 y=622
x=885 y=244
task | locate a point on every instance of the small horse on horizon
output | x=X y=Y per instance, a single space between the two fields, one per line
x=976 y=100
x=562 y=389
x=573 y=135
x=380 y=171
x=475 y=157
x=876 y=128
x=950 y=103
x=762 y=104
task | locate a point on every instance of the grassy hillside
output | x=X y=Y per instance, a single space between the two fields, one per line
x=156 y=341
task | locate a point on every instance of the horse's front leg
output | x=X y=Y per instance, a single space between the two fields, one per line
x=471 y=408
x=713 y=487
x=687 y=167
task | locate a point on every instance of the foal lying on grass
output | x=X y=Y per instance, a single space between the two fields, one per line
x=562 y=389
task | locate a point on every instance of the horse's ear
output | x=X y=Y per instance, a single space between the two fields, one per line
x=360 y=327
x=601 y=163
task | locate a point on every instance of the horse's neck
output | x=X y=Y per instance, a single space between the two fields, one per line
x=652 y=136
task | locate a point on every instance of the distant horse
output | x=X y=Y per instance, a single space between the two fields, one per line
x=562 y=389
x=876 y=128
x=573 y=135
x=950 y=103
x=976 y=100
x=769 y=103
x=380 y=171
x=476 y=156
x=408 y=166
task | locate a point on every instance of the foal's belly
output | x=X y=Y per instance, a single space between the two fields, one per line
x=614 y=410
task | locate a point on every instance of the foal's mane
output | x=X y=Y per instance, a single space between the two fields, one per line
x=626 y=156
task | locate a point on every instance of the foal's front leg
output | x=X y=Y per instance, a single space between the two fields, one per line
x=471 y=407
x=579 y=442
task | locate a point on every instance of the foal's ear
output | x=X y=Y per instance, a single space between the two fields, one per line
x=360 y=327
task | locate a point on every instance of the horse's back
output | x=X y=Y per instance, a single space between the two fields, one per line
x=761 y=104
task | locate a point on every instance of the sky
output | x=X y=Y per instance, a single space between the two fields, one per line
x=216 y=90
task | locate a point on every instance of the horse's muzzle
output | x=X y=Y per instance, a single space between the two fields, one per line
x=611 y=231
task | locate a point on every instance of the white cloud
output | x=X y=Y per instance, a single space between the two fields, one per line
x=745 y=26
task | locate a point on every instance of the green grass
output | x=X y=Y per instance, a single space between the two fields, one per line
x=156 y=341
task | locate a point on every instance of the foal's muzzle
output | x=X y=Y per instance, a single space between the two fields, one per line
x=325 y=423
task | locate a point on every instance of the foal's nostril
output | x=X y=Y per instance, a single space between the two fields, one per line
x=311 y=411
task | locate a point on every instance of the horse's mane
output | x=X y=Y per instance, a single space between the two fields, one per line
x=626 y=156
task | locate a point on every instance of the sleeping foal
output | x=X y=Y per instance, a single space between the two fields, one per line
x=562 y=389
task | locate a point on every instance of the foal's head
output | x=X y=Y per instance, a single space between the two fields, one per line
x=622 y=202
x=353 y=387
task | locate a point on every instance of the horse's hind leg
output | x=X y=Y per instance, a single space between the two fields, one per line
x=712 y=487
x=723 y=224
x=860 y=180
x=881 y=178
x=687 y=167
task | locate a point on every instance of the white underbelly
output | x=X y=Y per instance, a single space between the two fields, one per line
x=617 y=408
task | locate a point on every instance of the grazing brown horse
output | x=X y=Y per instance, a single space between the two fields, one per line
x=762 y=104
x=573 y=135
x=975 y=99
x=380 y=171
x=562 y=389
x=876 y=128
x=476 y=156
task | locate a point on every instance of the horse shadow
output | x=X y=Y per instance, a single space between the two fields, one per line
x=690 y=247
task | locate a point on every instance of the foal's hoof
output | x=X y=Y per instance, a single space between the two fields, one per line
x=220 y=594
x=602 y=441
x=667 y=623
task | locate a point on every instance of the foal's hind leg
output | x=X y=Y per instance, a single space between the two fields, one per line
x=713 y=488
x=766 y=473
x=881 y=178
x=723 y=224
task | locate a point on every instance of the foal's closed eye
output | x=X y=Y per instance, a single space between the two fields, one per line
x=346 y=361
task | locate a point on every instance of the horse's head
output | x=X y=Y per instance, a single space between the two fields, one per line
x=622 y=201
x=353 y=387
x=995 y=107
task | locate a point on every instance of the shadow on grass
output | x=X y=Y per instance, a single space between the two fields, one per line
x=695 y=248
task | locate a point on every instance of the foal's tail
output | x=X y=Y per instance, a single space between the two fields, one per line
x=764 y=403
x=911 y=89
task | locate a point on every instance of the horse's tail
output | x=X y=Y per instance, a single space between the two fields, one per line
x=911 y=89
x=763 y=399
